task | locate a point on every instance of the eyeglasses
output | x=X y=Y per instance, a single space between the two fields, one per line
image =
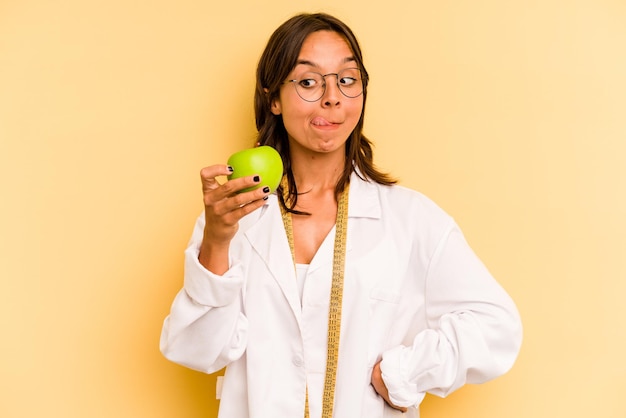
x=312 y=86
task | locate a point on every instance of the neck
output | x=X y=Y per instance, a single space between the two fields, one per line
x=317 y=172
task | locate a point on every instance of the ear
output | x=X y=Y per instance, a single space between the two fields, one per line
x=274 y=105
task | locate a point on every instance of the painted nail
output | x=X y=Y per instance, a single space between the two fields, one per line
x=265 y=197
x=266 y=189
x=229 y=168
x=256 y=179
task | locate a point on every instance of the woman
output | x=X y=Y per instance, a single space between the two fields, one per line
x=342 y=294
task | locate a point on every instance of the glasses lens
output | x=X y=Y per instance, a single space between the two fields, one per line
x=350 y=83
x=310 y=87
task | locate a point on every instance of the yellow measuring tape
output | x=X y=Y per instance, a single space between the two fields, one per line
x=336 y=295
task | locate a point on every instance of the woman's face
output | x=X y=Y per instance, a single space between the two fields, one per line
x=322 y=126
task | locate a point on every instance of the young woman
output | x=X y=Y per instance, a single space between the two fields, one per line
x=342 y=294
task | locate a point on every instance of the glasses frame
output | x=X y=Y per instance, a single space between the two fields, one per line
x=294 y=81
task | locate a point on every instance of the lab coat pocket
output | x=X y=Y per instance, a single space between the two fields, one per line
x=383 y=304
x=385 y=295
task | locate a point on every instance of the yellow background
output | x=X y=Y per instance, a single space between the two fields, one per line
x=510 y=114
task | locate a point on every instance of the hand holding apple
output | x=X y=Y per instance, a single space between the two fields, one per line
x=264 y=161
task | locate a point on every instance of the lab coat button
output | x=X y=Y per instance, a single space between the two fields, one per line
x=297 y=360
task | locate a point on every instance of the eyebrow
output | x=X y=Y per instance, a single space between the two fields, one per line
x=312 y=64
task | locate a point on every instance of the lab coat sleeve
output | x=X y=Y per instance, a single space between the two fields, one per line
x=474 y=330
x=206 y=328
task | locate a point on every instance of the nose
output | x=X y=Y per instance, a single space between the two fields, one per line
x=332 y=94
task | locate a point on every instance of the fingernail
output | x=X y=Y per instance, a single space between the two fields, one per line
x=266 y=189
x=256 y=179
x=265 y=197
x=230 y=169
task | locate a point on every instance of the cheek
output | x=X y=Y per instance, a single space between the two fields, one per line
x=296 y=114
x=360 y=103
x=355 y=111
x=294 y=122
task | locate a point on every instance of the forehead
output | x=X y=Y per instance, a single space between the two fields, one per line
x=325 y=48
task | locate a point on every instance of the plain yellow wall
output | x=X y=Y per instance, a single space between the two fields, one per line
x=510 y=114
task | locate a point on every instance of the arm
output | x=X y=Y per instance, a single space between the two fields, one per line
x=474 y=330
x=206 y=329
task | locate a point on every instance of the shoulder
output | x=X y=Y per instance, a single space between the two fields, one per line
x=399 y=203
x=408 y=218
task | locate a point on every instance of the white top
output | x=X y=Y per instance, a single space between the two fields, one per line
x=415 y=295
x=301 y=273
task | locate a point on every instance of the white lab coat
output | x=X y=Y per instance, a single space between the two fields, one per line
x=414 y=295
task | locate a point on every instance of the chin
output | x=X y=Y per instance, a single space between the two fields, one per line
x=330 y=147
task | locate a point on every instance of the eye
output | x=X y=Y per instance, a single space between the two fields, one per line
x=308 y=83
x=347 y=81
x=349 y=77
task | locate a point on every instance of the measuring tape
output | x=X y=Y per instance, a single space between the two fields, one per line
x=336 y=295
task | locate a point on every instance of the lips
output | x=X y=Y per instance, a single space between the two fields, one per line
x=319 y=121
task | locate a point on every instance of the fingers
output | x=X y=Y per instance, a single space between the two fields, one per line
x=231 y=187
x=239 y=205
x=225 y=204
x=399 y=408
x=208 y=176
x=379 y=386
x=233 y=194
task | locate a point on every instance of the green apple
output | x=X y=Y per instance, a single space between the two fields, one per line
x=264 y=161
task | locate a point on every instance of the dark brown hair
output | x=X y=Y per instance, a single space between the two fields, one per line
x=277 y=61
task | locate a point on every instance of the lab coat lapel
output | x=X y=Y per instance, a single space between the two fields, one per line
x=268 y=238
x=364 y=201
